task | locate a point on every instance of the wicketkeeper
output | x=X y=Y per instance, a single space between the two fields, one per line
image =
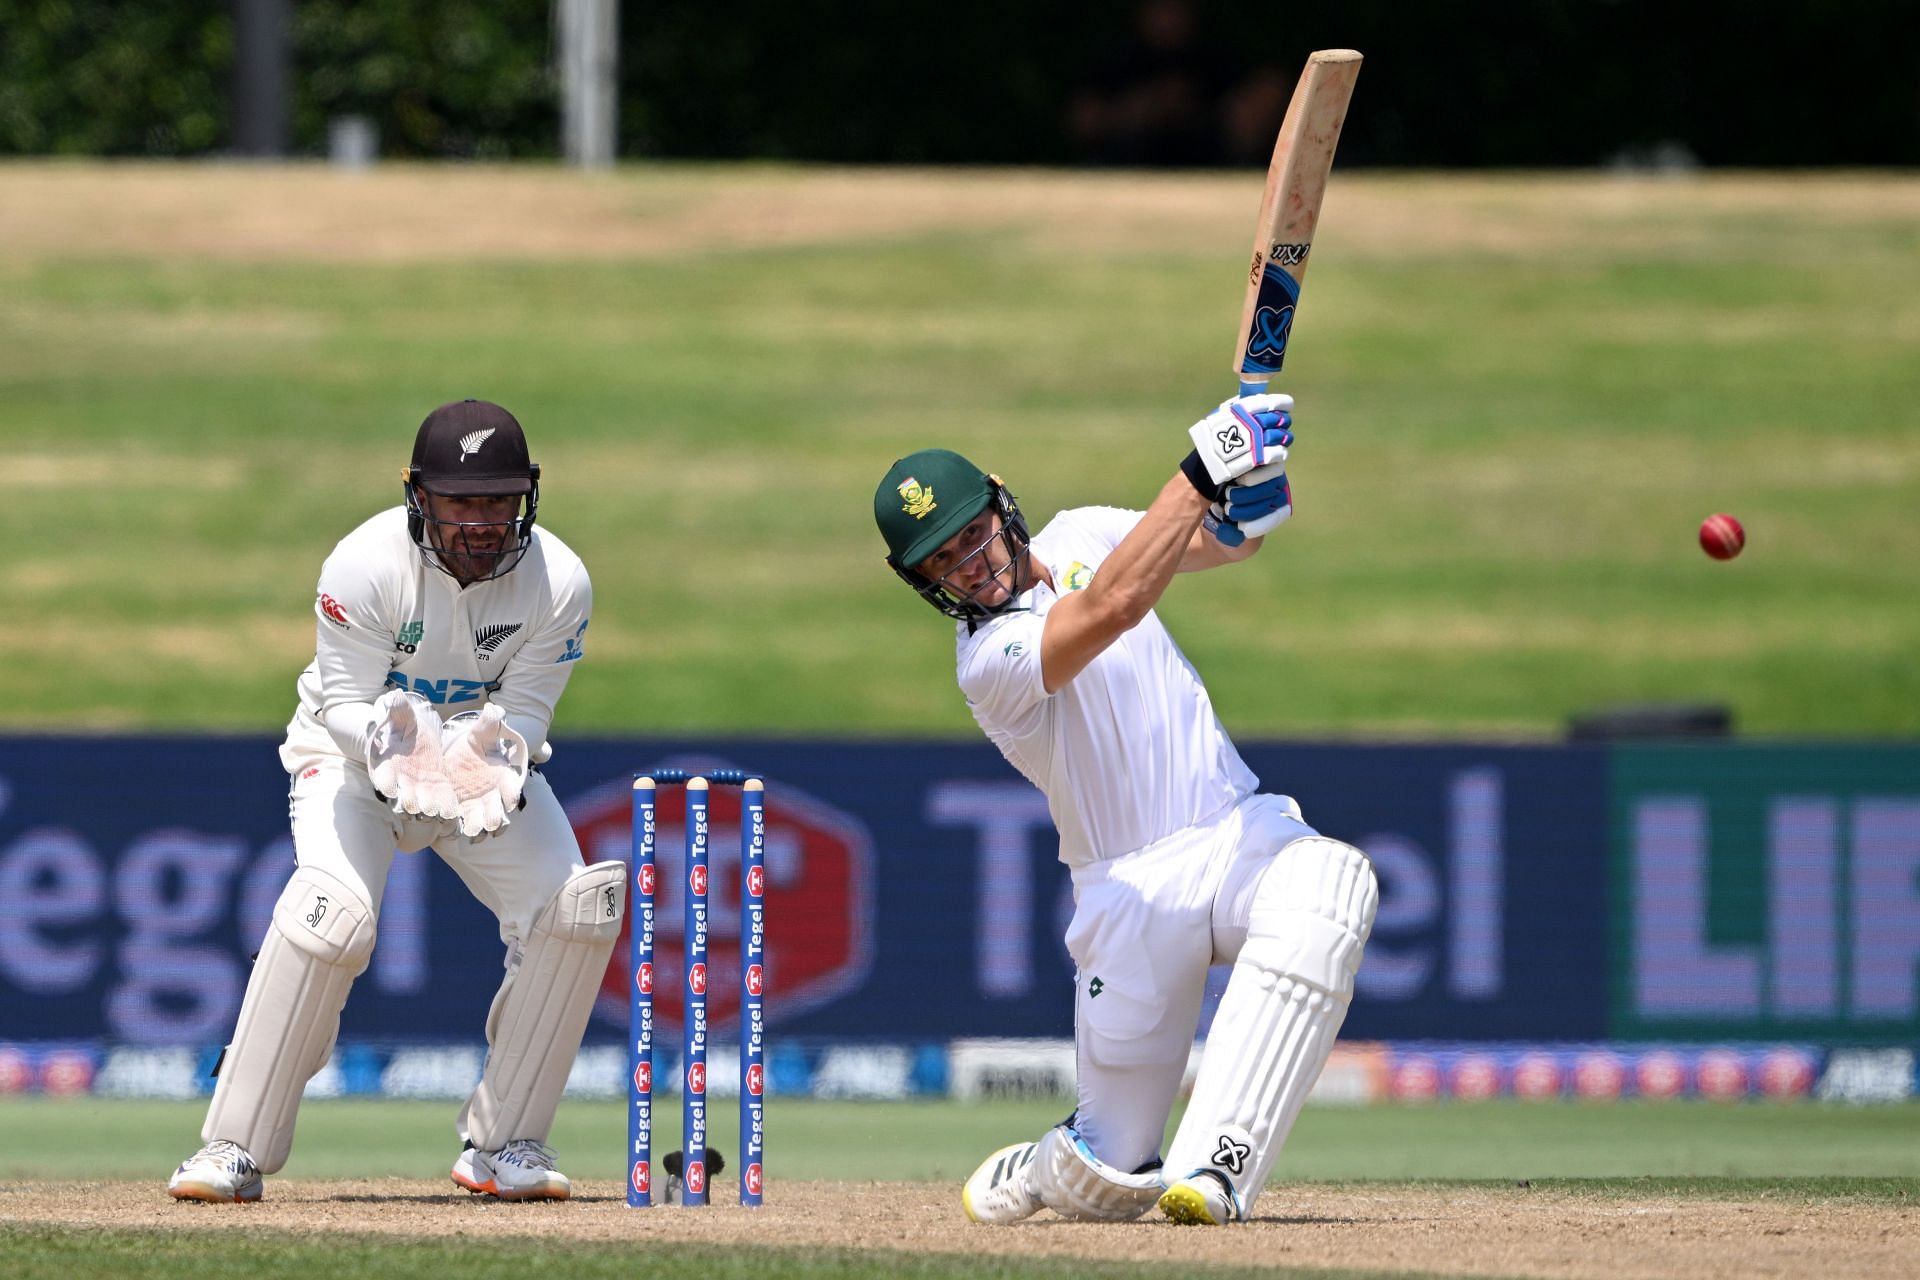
x=446 y=630
x=1178 y=862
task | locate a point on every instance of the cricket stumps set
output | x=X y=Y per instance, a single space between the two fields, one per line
x=753 y=955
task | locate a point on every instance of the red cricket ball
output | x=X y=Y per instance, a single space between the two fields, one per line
x=1721 y=536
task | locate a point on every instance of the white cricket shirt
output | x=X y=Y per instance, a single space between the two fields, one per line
x=1127 y=752
x=386 y=619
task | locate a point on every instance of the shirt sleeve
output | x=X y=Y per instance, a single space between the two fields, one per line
x=1000 y=675
x=353 y=648
x=531 y=686
x=1107 y=525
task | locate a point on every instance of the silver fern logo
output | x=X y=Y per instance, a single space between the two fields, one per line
x=472 y=441
x=487 y=640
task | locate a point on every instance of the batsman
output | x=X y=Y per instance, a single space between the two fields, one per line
x=1178 y=861
x=446 y=630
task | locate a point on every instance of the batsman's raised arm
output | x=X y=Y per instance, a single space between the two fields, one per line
x=1193 y=524
x=1083 y=623
x=957 y=536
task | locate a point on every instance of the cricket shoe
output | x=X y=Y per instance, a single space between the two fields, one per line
x=1200 y=1199
x=1000 y=1190
x=521 y=1170
x=219 y=1173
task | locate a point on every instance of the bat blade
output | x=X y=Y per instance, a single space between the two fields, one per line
x=1289 y=212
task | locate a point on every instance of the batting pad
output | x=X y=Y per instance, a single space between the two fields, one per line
x=540 y=1013
x=1072 y=1181
x=320 y=941
x=1284 y=1004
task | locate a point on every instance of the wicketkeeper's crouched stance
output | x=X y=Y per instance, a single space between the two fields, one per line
x=1178 y=862
x=457 y=597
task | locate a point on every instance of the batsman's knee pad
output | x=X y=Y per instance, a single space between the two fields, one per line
x=1312 y=912
x=541 y=1011
x=320 y=940
x=1074 y=1183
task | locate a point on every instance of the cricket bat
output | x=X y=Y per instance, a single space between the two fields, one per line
x=1289 y=210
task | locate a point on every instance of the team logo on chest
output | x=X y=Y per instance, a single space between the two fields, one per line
x=1077 y=578
x=487 y=640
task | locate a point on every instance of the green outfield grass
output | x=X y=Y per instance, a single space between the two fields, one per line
x=1517 y=396
x=140 y=1255
x=1810 y=1146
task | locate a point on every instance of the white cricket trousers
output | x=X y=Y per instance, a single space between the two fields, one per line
x=1146 y=927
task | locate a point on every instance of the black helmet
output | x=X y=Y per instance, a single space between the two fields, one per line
x=470 y=449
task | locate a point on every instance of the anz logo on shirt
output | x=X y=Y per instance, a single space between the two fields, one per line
x=441 y=692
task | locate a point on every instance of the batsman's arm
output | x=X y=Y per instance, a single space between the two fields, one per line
x=1204 y=551
x=1082 y=624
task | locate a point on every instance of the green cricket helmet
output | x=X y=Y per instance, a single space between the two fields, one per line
x=928 y=497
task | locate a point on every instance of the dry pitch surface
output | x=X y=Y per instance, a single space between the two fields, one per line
x=1438 y=1231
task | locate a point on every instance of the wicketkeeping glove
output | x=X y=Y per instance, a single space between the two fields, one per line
x=404 y=759
x=487 y=764
x=1245 y=432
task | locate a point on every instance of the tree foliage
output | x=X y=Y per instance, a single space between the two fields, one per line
x=1510 y=83
x=94 y=77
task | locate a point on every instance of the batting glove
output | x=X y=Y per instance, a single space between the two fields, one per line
x=1257 y=501
x=1245 y=432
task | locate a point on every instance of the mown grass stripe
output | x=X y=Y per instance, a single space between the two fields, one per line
x=106 y=1254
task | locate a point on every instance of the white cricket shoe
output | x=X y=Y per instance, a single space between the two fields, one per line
x=521 y=1170
x=1000 y=1190
x=1200 y=1199
x=219 y=1173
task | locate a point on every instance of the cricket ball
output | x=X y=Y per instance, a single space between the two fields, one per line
x=1721 y=536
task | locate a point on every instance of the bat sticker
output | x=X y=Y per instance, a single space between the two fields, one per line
x=1272 y=322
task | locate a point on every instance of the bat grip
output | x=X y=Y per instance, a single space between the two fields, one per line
x=1253 y=386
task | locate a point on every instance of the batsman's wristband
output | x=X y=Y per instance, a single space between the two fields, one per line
x=1195 y=471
